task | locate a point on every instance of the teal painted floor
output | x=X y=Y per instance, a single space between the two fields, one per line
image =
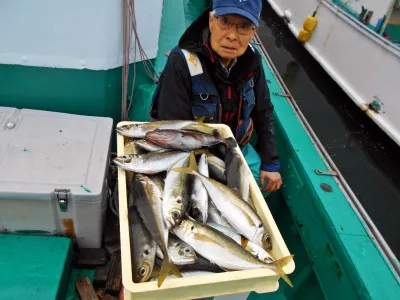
x=34 y=267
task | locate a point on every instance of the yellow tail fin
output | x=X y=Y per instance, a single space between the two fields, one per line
x=167 y=267
x=201 y=120
x=280 y=263
x=202 y=151
x=200 y=126
x=192 y=169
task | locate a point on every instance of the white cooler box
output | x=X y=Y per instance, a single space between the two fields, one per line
x=53 y=170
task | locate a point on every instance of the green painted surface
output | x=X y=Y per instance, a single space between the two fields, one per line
x=334 y=256
x=193 y=9
x=95 y=93
x=83 y=92
x=170 y=30
x=326 y=222
x=142 y=101
x=305 y=284
x=393 y=30
x=34 y=267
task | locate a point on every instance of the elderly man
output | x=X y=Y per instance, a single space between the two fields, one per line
x=215 y=73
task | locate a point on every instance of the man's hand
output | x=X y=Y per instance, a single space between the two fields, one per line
x=274 y=181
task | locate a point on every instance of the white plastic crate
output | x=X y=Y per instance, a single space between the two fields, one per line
x=260 y=280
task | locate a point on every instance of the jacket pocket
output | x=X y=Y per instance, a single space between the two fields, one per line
x=205 y=101
x=206 y=110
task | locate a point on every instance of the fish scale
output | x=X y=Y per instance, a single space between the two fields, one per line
x=254 y=249
x=235 y=210
x=185 y=140
x=199 y=195
x=140 y=130
x=149 y=205
x=237 y=175
x=145 y=145
x=176 y=195
x=223 y=250
x=143 y=248
x=216 y=167
x=150 y=163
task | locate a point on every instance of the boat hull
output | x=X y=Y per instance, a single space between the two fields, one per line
x=365 y=65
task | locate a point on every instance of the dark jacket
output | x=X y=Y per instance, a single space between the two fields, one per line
x=174 y=99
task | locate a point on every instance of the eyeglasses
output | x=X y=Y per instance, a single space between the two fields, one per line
x=243 y=28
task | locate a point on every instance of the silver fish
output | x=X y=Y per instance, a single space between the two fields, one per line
x=146 y=145
x=139 y=130
x=149 y=163
x=253 y=248
x=176 y=195
x=149 y=205
x=235 y=210
x=215 y=216
x=185 y=140
x=222 y=250
x=199 y=195
x=237 y=174
x=132 y=148
x=143 y=248
x=180 y=252
x=201 y=264
x=216 y=167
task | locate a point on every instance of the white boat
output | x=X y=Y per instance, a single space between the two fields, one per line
x=357 y=43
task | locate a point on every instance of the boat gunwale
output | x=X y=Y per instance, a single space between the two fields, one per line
x=373 y=233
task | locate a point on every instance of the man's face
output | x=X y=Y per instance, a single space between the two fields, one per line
x=228 y=41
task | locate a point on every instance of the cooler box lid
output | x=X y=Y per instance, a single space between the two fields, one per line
x=41 y=151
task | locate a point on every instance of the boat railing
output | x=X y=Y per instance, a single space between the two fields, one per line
x=370 y=227
x=363 y=28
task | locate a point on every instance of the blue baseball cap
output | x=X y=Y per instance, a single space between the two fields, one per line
x=250 y=9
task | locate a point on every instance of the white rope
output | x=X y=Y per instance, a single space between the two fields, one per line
x=126 y=39
x=130 y=26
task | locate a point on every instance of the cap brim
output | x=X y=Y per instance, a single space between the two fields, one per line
x=238 y=11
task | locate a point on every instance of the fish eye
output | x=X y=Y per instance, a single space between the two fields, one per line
x=192 y=228
x=196 y=213
x=176 y=215
x=266 y=238
x=187 y=250
x=146 y=252
x=260 y=225
x=179 y=201
x=142 y=271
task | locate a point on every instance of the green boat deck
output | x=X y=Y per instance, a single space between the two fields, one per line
x=334 y=255
x=34 y=267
